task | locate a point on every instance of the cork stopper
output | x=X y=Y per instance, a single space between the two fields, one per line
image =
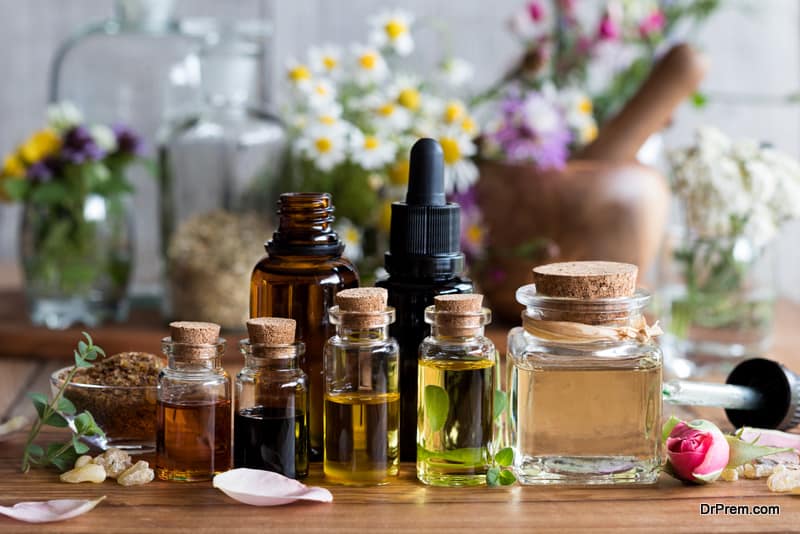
x=362 y=307
x=194 y=338
x=459 y=315
x=586 y=279
x=269 y=337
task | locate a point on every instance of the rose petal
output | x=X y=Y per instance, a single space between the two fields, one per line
x=770 y=438
x=48 y=511
x=265 y=488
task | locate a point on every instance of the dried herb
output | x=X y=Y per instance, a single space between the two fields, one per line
x=55 y=412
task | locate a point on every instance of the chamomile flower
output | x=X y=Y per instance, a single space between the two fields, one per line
x=352 y=238
x=370 y=67
x=405 y=91
x=455 y=71
x=62 y=116
x=578 y=112
x=392 y=30
x=371 y=151
x=326 y=147
x=453 y=112
x=321 y=93
x=298 y=74
x=388 y=114
x=326 y=60
x=104 y=137
x=459 y=171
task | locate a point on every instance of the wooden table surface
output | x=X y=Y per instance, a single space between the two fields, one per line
x=403 y=505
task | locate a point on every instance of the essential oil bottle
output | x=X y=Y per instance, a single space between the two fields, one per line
x=424 y=260
x=193 y=437
x=297 y=279
x=585 y=378
x=457 y=383
x=362 y=401
x=270 y=423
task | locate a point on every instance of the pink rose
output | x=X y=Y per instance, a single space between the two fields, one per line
x=652 y=23
x=535 y=11
x=609 y=29
x=697 y=451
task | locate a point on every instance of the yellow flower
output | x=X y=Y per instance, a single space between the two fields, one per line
x=299 y=74
x=409 y=98
x=395 y=28
x=468 y=125
x=386 y=109
x=398 y=173
x=451 y=150
x=454 y=111
x=323 y=145
x=40 y=145
x=585 y=106
x=368 y=60
x=13 y=166
x=330 y=62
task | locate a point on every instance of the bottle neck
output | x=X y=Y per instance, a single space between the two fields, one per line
x=362 y=334
x=448 y=333
x=257 y=363
x=193 y=358
x=194 y=364
x=305 y=227
x=150 y=16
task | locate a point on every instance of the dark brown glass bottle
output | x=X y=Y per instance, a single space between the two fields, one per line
x=298 y=278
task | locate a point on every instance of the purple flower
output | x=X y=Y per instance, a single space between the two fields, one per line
x=40 y=172
x=532 y=129
x=128 y=141
x=79 y=146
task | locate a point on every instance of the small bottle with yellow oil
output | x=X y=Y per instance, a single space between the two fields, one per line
x=362 y=398
x=457 y=383
x=193 y=436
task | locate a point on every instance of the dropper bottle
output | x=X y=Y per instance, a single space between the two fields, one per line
x=424 y=260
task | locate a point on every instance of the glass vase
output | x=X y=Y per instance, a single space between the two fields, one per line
x=718 y=300
x=77 y=260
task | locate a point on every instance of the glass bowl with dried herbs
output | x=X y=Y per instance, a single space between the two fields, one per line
x=120 y=391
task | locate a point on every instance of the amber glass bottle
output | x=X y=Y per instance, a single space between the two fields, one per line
x=298 y=278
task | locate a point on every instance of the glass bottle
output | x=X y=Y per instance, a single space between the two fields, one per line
x=457 y=383
x=362 y=399
x=424 y=260
x=193 y=437
x=585 y=378
x=270 y=425
x=298 y=278
x=218 y=169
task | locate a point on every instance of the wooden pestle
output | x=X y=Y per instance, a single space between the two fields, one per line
x=674 y=77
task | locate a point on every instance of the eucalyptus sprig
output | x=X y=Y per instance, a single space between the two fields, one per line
x=54 y=412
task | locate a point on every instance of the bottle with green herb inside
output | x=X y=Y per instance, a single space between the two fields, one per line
x=457 y=383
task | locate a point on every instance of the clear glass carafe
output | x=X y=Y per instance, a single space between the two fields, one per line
x=585 y=391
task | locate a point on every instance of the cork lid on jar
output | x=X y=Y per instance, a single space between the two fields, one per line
x=459 y=315
x=195 y=339
x=272 y=337
x=362 y=307
x=586 y=280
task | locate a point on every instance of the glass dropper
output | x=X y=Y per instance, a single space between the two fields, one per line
x=726 y=396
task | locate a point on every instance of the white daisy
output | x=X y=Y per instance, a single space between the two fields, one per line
x=326 y=147
x=371 y=151
x=104 y=137
x=370 y=67
x=388 y=114
x=326 y=60
x=321 y=93
x=328 y=116
x=455 y=71
x=392 y=30
x=405 y=91
x=352 y=238
x=63 y=115
x=453 y=112
x=460 y=172
x=299 y=74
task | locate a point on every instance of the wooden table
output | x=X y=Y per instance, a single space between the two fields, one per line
x=405 y=505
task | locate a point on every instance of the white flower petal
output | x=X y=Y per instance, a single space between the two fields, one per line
x=265 y=488
x=49 y=511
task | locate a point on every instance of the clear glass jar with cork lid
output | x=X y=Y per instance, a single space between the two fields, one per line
x=193 y=436
x=362 y=397
x=457 y=383
x=270 y=425
x=585 y=378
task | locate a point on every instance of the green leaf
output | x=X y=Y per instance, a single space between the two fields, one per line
x=39 y=402
x=743 y=452
x=48 y=193
x=86 y=425
x=500 y=403
x=699 y=100
x=507 y=477
x=80 y=361
x=709 y=477
x=16 y=189
x=56 y=420
x=35 y=450
x=79 y=446
x=65 y=406
x=668 y=426
x=437 y=407
x=66 y=461
x=505 y=457
x=88 y=338
x=82 y=347
x=493 y=476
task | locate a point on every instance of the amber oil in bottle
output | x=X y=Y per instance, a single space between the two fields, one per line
x=298 y=278
x=362 y=401
x=193 y=437
x=270 y=427
x=457 y=383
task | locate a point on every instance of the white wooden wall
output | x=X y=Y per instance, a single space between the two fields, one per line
x=754 y=47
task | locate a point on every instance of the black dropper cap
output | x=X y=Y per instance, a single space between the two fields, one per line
x=424 y=240
x=780 y=392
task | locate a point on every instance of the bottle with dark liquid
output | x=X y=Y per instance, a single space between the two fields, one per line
x=193 y=437
x=270 y=426
x=299 y=276
x=424 y=260
x=362 y=401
